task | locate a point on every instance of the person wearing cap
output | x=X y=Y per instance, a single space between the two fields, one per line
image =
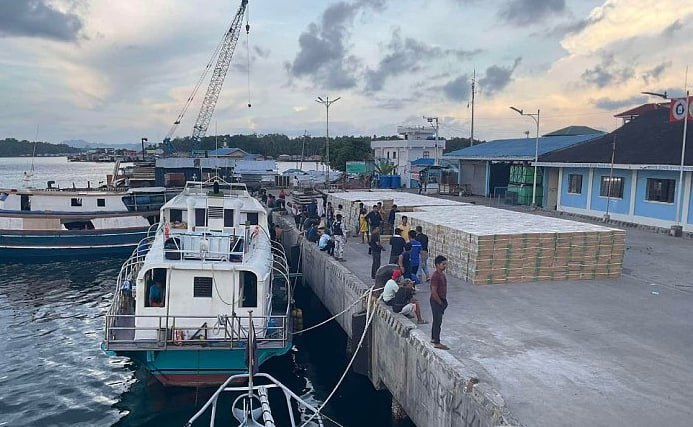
x=391 y=287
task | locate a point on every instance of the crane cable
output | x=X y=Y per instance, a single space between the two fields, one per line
x=247 y=48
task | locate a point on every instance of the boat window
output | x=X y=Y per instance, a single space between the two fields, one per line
x=200 y=217
x=78 y=225
x=249 y=290
x=228 y=217
x=101 y=202
x=176 y=215
x=156 y=287
x=251 y=218
x=202 y=287
x=75 y=201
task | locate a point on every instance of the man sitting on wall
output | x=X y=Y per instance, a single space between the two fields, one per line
x=405 y=303
x=325 y=243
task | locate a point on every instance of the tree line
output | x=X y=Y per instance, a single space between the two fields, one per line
x=11 y=147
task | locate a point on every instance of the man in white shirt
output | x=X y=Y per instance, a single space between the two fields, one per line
x=391 y=287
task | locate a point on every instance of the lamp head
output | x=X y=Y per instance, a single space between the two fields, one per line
x=517 y=110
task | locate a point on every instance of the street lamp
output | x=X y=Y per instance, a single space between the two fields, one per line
x=143 y=141
x=535 y=117
x=436 y=127
x=326 y=102
x=679 y=187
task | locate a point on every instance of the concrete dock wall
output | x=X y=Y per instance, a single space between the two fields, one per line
x=429 y=384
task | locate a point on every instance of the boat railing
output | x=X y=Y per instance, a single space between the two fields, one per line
x=125 y=282
x=166 y=332
x=253 y=402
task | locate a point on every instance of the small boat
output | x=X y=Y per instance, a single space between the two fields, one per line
x=56 y=223
x=186 y=299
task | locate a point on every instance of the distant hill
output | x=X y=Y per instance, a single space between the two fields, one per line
x=80 y=143
x=10 y=147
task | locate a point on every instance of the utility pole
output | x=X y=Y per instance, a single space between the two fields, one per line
x=471 y=139
x=143 y=141
x=303 y=148
x=326 y=102
x=535 y=117
x=436 y=127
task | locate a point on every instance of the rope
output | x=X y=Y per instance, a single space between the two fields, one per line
x=369 y=318
x=338 y=314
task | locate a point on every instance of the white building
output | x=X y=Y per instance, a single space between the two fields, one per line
x=414 y=143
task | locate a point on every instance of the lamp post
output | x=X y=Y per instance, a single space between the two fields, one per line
x=143 y=141
x=326 y=102
x=535 y=117
x=679 y=187
x=436 y=127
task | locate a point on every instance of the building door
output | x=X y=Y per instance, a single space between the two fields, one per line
x=499 y=179
x=552 y=188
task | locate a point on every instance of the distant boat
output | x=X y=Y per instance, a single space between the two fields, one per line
x=187 y=300
x=58 y=223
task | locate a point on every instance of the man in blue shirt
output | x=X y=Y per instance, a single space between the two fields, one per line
x=415 y=253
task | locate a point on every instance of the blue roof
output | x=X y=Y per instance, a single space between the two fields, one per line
x=423 y=162
x=518 y=148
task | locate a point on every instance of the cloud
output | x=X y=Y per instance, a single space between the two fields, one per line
x=497 y=77
x=406 y=56
x=323 y=54
x=527 y=12
x=38 y=18
x=655 y=73
x=672 y=28
x=613 y=104
x=607 y=73
x=458 y=89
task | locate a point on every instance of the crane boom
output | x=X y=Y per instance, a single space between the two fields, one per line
x=220 y=70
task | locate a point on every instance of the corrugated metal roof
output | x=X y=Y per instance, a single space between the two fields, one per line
x=423 y=162
x=519 y=148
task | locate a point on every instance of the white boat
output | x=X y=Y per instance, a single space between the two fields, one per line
x=210 y=269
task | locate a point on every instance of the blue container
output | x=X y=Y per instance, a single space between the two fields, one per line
x=385 y=181
x=396 y=181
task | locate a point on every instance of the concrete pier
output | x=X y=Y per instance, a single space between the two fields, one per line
x=595 y=352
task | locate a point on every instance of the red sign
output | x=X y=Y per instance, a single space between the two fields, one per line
x=678 y=109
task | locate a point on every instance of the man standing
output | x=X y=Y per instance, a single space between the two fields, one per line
x=376 y=248
x=439 y=302
x=397 y=242
x=339 y=238
x=391 y=216
x=374 y=220
x=404 y=226
x=415 y=253
x=423 y=264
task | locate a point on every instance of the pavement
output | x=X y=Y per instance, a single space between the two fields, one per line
x=589 y=352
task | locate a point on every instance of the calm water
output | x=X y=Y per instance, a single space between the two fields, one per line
x=52 y=372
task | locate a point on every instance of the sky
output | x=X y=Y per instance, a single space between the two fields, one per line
x=113 y=72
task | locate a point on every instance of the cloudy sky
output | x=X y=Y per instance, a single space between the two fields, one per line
x=115 y=71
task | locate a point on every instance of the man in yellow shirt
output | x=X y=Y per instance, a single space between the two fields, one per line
x=404 y=226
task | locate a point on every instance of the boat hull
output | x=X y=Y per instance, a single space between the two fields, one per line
x=22 y=244
x=194 y=368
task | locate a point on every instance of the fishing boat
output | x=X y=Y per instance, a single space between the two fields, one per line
x=56 y=222
x=185 y=302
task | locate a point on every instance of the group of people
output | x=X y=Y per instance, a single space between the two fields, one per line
x=399 y=292
x=325 y=228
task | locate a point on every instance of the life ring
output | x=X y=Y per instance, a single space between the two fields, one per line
x=167 y=231
x=255 y=232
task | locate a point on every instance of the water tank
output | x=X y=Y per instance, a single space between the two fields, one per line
x=385 y=181
x=396 y=181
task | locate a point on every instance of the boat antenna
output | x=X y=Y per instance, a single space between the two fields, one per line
x=28 y=176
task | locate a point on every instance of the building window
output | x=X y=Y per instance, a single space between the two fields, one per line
x=388 y=155
x=394 y=154
x=202 y=287
x=612 y=187
x=574 y=184
x=426 y=154
x=75 y=202
x=660 y=190
x=100 y=202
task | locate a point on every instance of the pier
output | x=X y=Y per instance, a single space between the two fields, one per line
x=608 y=351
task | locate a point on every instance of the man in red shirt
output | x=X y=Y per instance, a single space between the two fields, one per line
x=439 y=302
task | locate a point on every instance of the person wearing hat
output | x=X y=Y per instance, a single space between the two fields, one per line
x=391 y=287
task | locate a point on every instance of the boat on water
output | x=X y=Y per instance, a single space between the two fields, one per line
x=185 y=302
x=55 y=222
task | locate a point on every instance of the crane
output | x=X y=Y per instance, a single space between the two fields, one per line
x=223 y=54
